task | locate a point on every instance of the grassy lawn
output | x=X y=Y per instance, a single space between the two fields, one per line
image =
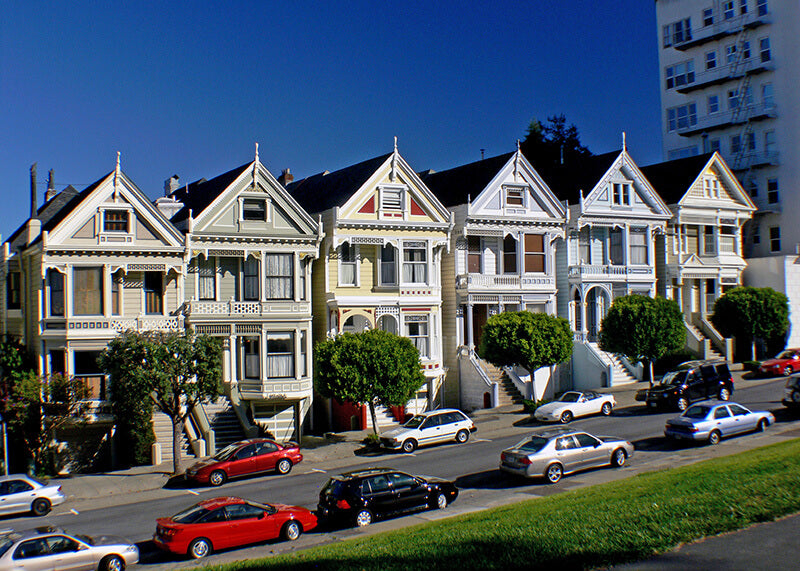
x=621 y=521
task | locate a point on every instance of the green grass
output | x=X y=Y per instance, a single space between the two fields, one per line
x=621 y=521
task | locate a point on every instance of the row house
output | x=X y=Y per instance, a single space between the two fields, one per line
x=380 y=265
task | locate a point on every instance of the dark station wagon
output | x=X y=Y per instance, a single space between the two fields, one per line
x=689 y=382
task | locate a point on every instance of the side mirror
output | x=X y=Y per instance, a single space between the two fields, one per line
x=262 y=515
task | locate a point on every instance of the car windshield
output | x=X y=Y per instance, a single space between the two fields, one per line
x=673 y=378
x=86 y=539
x=697 y=411
x=532 y=444
x=414 y=422
x=190 y=515
x=786 y=355
x=226 y=452
x=5 y=543
x=569 y=397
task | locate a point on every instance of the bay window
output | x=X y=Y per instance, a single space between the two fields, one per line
x=153 y=293
x=415 y=263
x=387 y=265
x=251 y=357
x=206 y=275
x=87 y=291
x=417 y=331
x=638 y=246
x=280 y=355
x=14 y=290
x=55 y=281
x=250 y=278
x=534 y=253
x=347 y=264
x=509 y=255
x=279 y=278
x=473 y=254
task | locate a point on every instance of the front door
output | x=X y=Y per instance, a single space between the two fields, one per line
x=480 y=314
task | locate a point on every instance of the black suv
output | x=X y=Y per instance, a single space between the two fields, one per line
x=689 y=382
x=366 y=494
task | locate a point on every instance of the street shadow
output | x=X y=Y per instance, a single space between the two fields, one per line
x=371 y=451
x=529 y=422
x=492 y=480
x=661 y=444
x=178 y=482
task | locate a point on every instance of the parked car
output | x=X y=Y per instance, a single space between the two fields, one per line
x=689 y=382
x=791 y=393
x=363 y=495
x=222 y=523
x=573 y=404
x=785 y=363
x=245 y=458
x=555 y=452
x=20 y=493
x=52 y=548
x=430 y=428
x=712 y=420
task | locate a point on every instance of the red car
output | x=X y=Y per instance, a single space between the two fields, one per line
x=222 y=523
x=244 y=458
x=786 y=363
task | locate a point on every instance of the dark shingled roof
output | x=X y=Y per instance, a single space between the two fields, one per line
x=671 y=179
x=323 y=191
x=567 y=181
x=454 y=186
x=198 y=195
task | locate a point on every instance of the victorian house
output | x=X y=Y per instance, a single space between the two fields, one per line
x=501 y=258
x=380 y=265
x=700 y=256
x=249 y=251
x=614 y=218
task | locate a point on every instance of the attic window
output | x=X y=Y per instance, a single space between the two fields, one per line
x=711 y=187
x=514 y=196
x=254 y=209
x=621 y=192
x=392 y=199
x=115 y=221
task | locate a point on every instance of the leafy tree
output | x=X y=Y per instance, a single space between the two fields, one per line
x=750 y=313
x=176 y=371
x=531 y=340
x=554 y=144
x=368 y=368
x=643 y=329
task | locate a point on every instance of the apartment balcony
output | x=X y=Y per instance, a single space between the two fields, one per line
x=90 y=326
x=726 y=73
x=721 y=30
x=511 y=282
x=755 y=160
x=603 y=272
x=725 y=119
x=195 y=309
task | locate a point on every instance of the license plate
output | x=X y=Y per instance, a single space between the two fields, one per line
x=652 y=404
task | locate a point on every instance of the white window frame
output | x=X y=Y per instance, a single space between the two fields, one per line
x=518 y=192
x=424 y=340
x=621 y=193
x=708 y=17
x=680 y=74
x=713 y=104
x=416 y=245
x=115 y=235
x=711 y=60
x=710 y=187
x=354 y=262
x=254 y=197
x=761 y=7
x=774 y=238
x=676 y=121
x=392 y=200
x=762 y=50
x=394 y=264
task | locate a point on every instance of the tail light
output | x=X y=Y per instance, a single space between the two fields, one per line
x=342 y=504
x=526 y=461
x=167 y=531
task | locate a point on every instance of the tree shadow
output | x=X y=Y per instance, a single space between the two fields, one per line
x=179 y=482
x=492 y=480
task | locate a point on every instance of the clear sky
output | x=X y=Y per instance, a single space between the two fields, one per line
x=187 y=88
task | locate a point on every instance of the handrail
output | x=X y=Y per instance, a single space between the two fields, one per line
x=476 y=361
x=200 y=417
x=608 y=368
x=636 y=370
x=524 y=387
x=723 y=344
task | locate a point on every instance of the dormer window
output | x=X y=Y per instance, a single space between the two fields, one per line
x=515 y=197
x=621 y=193
x=115 y=221
x=254 y=209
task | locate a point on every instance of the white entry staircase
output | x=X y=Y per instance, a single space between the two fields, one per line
x=712 y=351
x=621 y=373
x=384 y=418
x=224 y=422
x=162 y=426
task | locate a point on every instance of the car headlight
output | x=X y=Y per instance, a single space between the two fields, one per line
x=132 y=549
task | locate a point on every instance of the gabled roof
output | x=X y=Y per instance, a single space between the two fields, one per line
x=325 y=190
x=454 y=186
x=568 y=181
x=198 y=195
x=672 y=179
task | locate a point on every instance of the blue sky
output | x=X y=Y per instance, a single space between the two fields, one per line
x=187 y=88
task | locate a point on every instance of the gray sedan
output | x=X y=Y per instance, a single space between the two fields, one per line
x=558 y=451
x=711 y=420
x=20 y=493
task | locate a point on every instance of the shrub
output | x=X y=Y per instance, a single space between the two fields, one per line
x=751 y=365
x=530 y=406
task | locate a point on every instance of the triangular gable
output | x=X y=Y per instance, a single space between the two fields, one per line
x=730 y=189
x=692 y=260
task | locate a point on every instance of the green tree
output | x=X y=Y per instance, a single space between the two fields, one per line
x=174 y=371
x=531 y=340
x=553 y=145
x=643 y=329
x=368 y=368
x=750 y=314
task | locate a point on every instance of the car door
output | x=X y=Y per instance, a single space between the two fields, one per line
x=430 y=430
x=447 y=425
x=590 y=452
x=249 y=524
x=17 y=496
x=243 y=461
x=695 y=386
x=33 y=555
x=567 y=452
x=214 y=526
x=70 y=555
x=723 y=421
x=744 y=420
x=266 y=456
x=378 y=494
x=409 y=491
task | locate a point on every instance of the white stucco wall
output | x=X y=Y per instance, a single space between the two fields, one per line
x=781 y=273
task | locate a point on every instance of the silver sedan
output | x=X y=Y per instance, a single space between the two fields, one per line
x=712 y=420
x=20 y=493
x=558 y=451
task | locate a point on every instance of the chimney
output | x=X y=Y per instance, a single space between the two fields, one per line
x=286 y=177
x=51 y=186
x=171 y=185
x=33 y=190
x=168 y=206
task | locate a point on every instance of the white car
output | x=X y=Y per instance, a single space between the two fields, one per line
x=20 y=493
x=573 y=404
x=429 y=428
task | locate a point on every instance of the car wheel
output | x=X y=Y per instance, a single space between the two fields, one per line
x=291 y=530
x=606 y=409
x=462 y=436
x=724 y=394
x=796 y=396
x=409 y=445
x=566 y=417
x=199 y=548
x=40 y=506
x=284 y=466
x=787 y=370
x=112 y=563
x=683 y=402
x=217 y=478
x=363 y=518
x=762 y=425
x=554 y=473
x=439 y=502
x=618 y=458
x=714 y=437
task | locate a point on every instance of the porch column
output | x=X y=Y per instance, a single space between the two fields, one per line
x=232 y=355
x=626 y=234
x=651 y=247
x=582 y=309
x=470 y=337
x=226 y=360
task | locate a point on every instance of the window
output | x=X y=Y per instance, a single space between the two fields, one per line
x=251 y=356
x=87 y=291
x=388 y=265
x=730 y=53
x=767 y=96
x=115 y=221
x=415 y=263
x=638 y=246
x=749 y=141
x=86 y=369
x=62 y=544
x=713 y=145
x=769 y=142
x=742 y=7
x=473 y=254
x=621 y=193
x=303 y=354
x=616 y=247
x=772 y=190
x=417 y=328
x=31 y=548
x=514 y=197
x=680 y=74
x=746 y=50
x=728 y=10
x=752 y=188
x=347 y=264
x=116 y=293
x=509 y=255
x=709 y=247
x=733 y=98
x=14 y=290
x=207 y=278
x=761 y=7
x=682 y=153
x=254 y=209
x=280 y=355
x=763 y=48
x=682 y=117
x=55 y=280
x=279 y=276
x=304 y=265
x=727 y=239
x=774 y=239
x=678 y=32
x=713 y=104
x=392 y=199
x=711 y=60
x=721 y=412
x=250 y=279
x=153 y=293
x=736 y=144
x=711 y=187
x=708 y=17
x=756 y=234
x=534 y=253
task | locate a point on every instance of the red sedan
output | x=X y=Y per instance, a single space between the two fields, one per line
x=786 y=363
x=222 y=523
x=243 y=459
